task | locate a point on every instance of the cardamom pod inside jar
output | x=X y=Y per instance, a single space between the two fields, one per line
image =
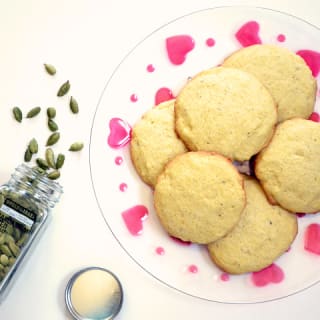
x=26 y=202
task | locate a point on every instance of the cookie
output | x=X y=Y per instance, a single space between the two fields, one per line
x=289 y=167
x=154 y=142
x=263 y=233
x=227 y=111
x=199 y=197
x=285 y=75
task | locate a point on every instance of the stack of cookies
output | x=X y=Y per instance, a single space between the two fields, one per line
x=254 y=106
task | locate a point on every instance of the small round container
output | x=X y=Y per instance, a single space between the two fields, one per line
x=94 y=293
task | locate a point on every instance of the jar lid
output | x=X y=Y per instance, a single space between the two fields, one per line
x=94 y=293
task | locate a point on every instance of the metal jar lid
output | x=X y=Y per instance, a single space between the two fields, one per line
x=94 y=293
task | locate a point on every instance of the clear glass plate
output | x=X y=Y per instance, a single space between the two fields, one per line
x=132 y=90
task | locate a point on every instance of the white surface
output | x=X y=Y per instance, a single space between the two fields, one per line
x=85 y=40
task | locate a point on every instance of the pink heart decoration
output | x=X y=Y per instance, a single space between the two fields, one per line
x=270 y=274
x=178 y=47
x=248 y=34
x=120 y=133
x=315 y=117
x=162 y=95
x=312 y=59
x=134 y=217
x=312 y=238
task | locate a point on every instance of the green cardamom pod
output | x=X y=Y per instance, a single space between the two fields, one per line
x=17 y=233
x=8 y=238
x=4 y=248
x=23 y=239
x=53 y=175
x=50 y=69
x=50 y=158
x=4 y=260
x=53 y=138
x=74 y=107
x=52 y=125
x=64 y=89
x=1 y=199
x=33 y=112
x=33 y=146
x=11 y=261
x=2 y=238
x=51 y=113
x=9 y=229
x=14 y=248
x=42 y=164
x=17 y=113
x=76 y=146
x=60 y=161
x=27 y=155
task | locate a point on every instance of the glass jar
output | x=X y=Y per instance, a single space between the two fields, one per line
x=26 y=201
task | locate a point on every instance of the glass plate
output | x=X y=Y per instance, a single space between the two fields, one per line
x=146 y=76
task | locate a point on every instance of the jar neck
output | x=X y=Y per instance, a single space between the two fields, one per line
x=36 y=184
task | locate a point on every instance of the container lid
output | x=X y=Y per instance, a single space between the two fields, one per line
x=94 y=293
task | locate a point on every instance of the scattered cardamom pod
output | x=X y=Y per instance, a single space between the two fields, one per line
x=17 y=113
x=51 y=113
x=50 y=158
x=50 y=69
x=60 y=161
x=1 y=199
x=52 y=125
x=74 y=107
x=53 y=175
x=4 y=248
x=42 y=163
x=53 y=138
x=4 y=260
x=64 y=89
x=33 y=112
x=76 y=146
x=27 y=155
x=33 y=146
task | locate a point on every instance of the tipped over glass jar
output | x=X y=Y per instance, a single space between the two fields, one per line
x=26 y=201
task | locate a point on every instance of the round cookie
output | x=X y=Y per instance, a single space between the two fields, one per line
x=199 y=197
x=263 y=233
x=289 y=167
x=285 y=75
x=154 y=142
x=227 y=111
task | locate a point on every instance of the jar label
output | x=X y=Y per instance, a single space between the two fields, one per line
x=18 y=213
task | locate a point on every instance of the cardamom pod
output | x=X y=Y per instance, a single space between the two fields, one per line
x=4 y=248
x=64 y=89
x=2 y=238
x=52 y=125
x=9 y=229
x=1 y=199
x=17 y=233
x=17 y=113
x=14 y=248
x=33 y=146
x=74 y=107
x=4 y=260
x=51 y=113
x=27 y=155
x=12 y=261
x=76 y=146
x=53 y=138
x=60 y=161
x=33 y=112
x=42 y=164
x=53 y=175
x=50 y=158
x=50 y=69
x=23 y=239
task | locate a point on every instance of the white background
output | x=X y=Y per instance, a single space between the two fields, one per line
x=85 y=40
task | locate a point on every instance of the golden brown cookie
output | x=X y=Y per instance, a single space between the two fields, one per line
x=154 y=142
x=199 y=197
x=227 y=111
x=285 y=75
x=289 y=167
x=263 y=233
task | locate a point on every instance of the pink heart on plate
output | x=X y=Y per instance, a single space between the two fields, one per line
x=314 y=117
x=120 y=133
x=312 y=238
x=134 y=217
x=270 y=274
x=312 y=59
x=248 y=34
x=178 y=47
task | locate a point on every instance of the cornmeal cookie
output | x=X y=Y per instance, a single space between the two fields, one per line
x=263 y=233
x=285 y=75
x=227 y=111
x=199 y=197
x=289 y=167
x=154 y=142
